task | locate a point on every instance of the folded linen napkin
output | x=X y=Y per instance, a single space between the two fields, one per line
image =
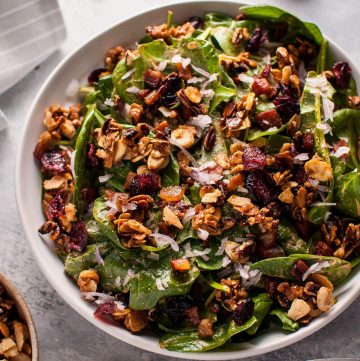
x=30 y=31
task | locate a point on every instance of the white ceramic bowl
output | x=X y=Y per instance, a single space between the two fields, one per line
x=28 y=185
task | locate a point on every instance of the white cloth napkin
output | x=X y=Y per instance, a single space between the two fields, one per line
x=30 y=31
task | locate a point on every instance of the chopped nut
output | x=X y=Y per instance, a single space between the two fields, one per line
x=286 y=196
x=205 y=329
x=180 y=264
x=239 y=252
x=239 y=201
x=299 y=308
x=19 y=331
x=8 y=348
x=171 y=218
x=88 y=281
x=136 y=111
x=318 y=169
x=324 y=299
x=193 y=94
x=184 y=135
x=135 y=321
x=211 y=197
x=322 y=281
x=4 y=329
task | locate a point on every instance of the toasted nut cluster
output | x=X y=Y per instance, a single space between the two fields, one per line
x=88 y=281
x=234 y=294
x=14 y=334
x=136 y=111
x=240 y=35
x=205 y=329
x=164 y=32
x=239 y=252
x=241 y=62
x=159 y=155
x=133 y=230
x=318 y=169
x=184 y=135
x=354 y=101
x=306 y=302
x=236 y=158
x=208 y=218
x=113 y=56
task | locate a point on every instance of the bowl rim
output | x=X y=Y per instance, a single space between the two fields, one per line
x=24 y=313
x=127 y=337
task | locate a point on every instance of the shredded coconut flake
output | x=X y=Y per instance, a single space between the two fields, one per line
x=72 y=164
x=104 y=178
x=200 y=71
x=133 y=89
x=190 y=213
x=117 y=282
x=159 y=285
x=201 y=121
x=298 y=159
x=153 y=256
x=128 y=74
x=166 y=112
x=195 y=80
x=221 y=249
x=164 y=240
x=249 y=277
x=99 y=259
x=208 y=93
x=316 y=267
x=162 y=65
x=130 y=275
x=226 y=260
x=341 y=151
x=245 y=78
x=90 y=296
x=184 y=151
x=202 y=234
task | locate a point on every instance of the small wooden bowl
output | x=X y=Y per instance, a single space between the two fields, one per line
x=24 y=313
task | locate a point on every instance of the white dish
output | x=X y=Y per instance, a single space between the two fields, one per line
x=28 y=191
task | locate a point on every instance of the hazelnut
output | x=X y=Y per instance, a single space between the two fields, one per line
x=299 y=308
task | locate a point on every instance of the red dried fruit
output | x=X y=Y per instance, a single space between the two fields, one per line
x=254 y=159
x=168 y=91
x=89 y=194
x=259 y=185
x=177 y=306
x=261 y=86
x=78 y=236
x=271 y=286
x=298 y=269
x=91 y=159
x=193 y=314
x=268 y=119
x=94 y=75
x=146 y=183
x=266 y=72
x=268 y=239
x=243 y=311
x=257 y=39
x=323 y=249
x=342 y=72
x=56 y=207
x=286 y=106
x=53 y=162
x=105 y=310
x=152 y=78
x=307 y=142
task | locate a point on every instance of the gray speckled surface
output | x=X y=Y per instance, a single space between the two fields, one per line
x=63 y=334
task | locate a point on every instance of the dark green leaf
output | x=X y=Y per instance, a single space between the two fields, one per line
x=275 y=142
x=255 y=134
x=283 y=320
x=290 y=240
x=170 y=176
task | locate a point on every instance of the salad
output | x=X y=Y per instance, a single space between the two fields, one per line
x=208 y=183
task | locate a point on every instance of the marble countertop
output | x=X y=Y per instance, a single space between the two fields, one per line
x=65 y=335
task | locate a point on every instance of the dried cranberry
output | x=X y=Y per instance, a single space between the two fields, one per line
x=105 y=310
x=56 y=207
x=261 y=86
x=276 y=209
x=259 y=185
x=152 y=78
x=268 y=119
x=300 y=176
x=270 y=286
x=266 y=72
x=144 y=184
x=78 y=236
x=268 y=239
x=298 y=269
x=53 y=162
x=243 y=311
x=304 y=228
x=257 y=39
x=94 y=75
x=254 y=159
x=91 y=159
x=286 y=106
x=176 y=307
x=342 y=72
x=323 y=249
x=196 y=22
x=307 y=142
x=168 y=91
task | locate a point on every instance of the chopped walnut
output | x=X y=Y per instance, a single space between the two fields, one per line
x=136 y=111
x=113 y=56
x=239 y=252
x=235 y=292
x=205 y=329
x=318 y=169
x=354 y=102
x=88 y=281
x=239 y=35
x=241 y=61
x=208 y=219
x=184 y=135
x=133 y=230
x=135 y=321
x=212 y=196
x=163 y=32
x=159 y=155
x=193 y=94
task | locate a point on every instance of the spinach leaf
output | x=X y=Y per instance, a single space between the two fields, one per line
x=194 y=194
x=213 y=262
x=170 y=175
x=120 y=173
x=347 y=193
x=214 y=19
x=286 y=323
x=355 y=262
x=275 y=142
x=82 y=176
x=290 y=240
x=347 y=124
x=322 y=61
x=105 y=226
x=263 y=303
x=190 y=341
x=187 y=233
x=281 y=266
x=76 y=262
x=255 y=134
x=105 y=86
x=94 y=232
x=274 y=14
